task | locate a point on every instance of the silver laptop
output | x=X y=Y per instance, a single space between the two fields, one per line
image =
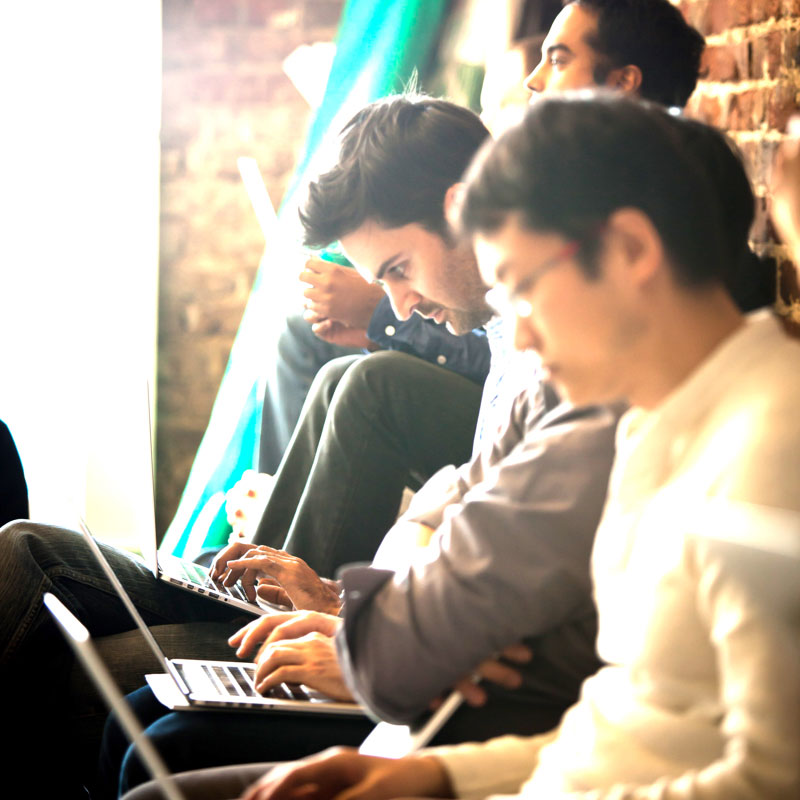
x=181 y=572
x=199 y=684
x=385 y=739
x=80 y=641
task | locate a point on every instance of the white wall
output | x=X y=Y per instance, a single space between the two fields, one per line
x=79 y=159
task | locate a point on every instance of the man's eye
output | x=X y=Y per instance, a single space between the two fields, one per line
x=397 y=270
x=556 y=61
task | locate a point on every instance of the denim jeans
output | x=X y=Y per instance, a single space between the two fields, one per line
x=371 y=426
x=216 y=783
x=52 y=709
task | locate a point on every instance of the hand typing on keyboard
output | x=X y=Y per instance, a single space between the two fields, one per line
x=296 y=647
x=289 y=580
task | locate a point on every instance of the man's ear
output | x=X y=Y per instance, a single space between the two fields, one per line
x=626 y=79
x=452 y=203
x=639 y=243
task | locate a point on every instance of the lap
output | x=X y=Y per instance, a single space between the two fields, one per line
x=189 y=740
x=217 y=783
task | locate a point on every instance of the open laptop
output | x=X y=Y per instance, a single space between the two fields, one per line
x=177 y=571
x=385 y=739
x=80 y=641
x=199 y=684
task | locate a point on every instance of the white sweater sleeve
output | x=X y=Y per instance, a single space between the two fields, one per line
x=499 y=766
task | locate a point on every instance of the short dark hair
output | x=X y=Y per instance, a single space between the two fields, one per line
x=652 y=35
x=398 y=158
x=750 y=280
x=575 y=159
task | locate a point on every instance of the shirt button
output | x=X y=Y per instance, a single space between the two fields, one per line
x=390 y=330
x=441 y=360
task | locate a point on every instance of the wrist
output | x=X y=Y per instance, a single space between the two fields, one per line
x=434 y=775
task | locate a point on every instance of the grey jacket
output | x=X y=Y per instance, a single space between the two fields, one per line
x=514 y=532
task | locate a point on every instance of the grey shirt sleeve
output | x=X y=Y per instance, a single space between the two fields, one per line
x=509 y=561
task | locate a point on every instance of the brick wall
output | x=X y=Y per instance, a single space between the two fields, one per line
x=751 y=88
x=224 y=96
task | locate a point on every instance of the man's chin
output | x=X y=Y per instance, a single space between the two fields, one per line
x=460 y=323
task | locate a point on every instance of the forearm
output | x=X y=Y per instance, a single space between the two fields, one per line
x=499 y=766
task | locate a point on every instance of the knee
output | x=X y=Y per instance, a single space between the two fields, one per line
x=332 y=374
x=17 y=538
x=379 y=376
x=132 y=773
x=22 y=538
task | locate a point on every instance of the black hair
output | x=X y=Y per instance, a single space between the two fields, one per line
x=398 y=158
x=576 y=158
x=750 y=280
x=652 y=35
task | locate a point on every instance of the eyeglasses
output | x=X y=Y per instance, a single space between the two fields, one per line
x=507 y=304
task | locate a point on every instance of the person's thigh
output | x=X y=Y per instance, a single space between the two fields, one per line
x=298 y=459
x=294 y=363
x=129 y=659
x=35 y=559
x=393 y=421
x=189 y=740
x=35 y=658
x=217 y=783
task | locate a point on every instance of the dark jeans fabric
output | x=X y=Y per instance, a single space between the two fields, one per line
x=13 y=488
x=371 y=426
x=34 y=657
x=190 y=740
x=215 y=783
x=297 y=358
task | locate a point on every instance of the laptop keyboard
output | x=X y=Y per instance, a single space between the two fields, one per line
x=197 y=575
x=239 y=681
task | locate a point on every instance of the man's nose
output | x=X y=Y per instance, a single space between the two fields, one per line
x=403 y=301
x=535 y=81
x=525 y=335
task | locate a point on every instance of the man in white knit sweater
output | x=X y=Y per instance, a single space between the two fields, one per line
x=593 y=241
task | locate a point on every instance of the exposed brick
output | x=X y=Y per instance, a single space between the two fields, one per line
x=762 y=231
x=765 y=9
x=321 y=13
x=719 y=64
x=174 y=91
x=236 y=89
x=708 y=108
x=791 y=49
x=172 y=239
x=217 y=12
x=742 y=11
x=264 y=45
x=721 y=15
x=788 y=284
x=782 y=104
x=746 y=110
x=694 y=12
x=767 y=55
x=176 y=13
x=173 y=163
x=192 y=47
x=260 y=12
x=759 y=157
